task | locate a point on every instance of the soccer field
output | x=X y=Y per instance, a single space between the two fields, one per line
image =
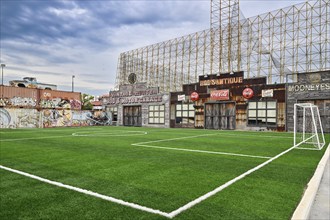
x=149 y=173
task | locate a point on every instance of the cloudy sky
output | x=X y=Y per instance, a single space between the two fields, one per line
x=55 y=39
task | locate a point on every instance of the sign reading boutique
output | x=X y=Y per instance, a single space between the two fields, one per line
x=222 y=79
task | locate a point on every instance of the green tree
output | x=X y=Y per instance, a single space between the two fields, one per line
x=86 y=101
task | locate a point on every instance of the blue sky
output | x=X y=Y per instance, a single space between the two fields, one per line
x=55 y=39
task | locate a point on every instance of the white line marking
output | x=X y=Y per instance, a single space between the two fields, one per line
x=179 y=138
x=112 y=134
x=46 y=130
x=305 y=148
x=220 y=188
x=87 y=192
x=142 y=144
x=253 y=136
x=201 y=151
x=70 y=135
x=34 y=138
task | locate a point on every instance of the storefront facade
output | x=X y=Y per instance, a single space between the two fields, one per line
x=229 y=102
x=137 y=105
x=310 y=88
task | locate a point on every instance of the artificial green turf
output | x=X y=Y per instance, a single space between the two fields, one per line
x=157 y=178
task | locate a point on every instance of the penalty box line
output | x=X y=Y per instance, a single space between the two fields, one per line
x=144 y=144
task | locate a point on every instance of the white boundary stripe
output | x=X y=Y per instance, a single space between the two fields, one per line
x=34 y=138
x=220 y=188
x=74 y=134
x=111 y=134
x=46 y=130
x=201 y=151
x=87 y=192
x=179 y=138
x=305 y=148
x=253 y=136
x=142 y=144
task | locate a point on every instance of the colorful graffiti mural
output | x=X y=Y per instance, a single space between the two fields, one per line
x=48 y=103
x=45 y=118
x=60 y=103
x=56 y=118
x=18 y=101
x=19 y=118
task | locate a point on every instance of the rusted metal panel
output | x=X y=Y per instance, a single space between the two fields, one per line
x=11 y=92
x=50 y=94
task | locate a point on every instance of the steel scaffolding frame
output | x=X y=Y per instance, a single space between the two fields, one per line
x=291 y=40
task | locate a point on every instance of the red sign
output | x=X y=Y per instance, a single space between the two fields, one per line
x=247 y=93
x=220 y=94
x=194 y=96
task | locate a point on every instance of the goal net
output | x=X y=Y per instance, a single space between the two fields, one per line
x=308 y=132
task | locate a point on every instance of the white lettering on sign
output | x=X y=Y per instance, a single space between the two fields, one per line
x=267 y=93
x=224 y=81
x=220 y=94
x=310 y=87
x=133 y=100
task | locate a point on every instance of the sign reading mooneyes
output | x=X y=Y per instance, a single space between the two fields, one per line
x=194 y=96
x=220 y=94
x=247 y=93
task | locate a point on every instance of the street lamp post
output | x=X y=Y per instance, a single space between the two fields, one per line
x=73 y=76
x=2 y=66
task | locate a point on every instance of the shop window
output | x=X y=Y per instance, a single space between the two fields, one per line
x=156 y=114
x=114 y=111
x=262 y=113
x=185 y=114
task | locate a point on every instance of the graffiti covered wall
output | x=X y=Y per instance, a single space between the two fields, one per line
x=19 y=118
x=32 y=118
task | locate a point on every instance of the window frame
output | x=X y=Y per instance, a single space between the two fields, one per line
x=185 y=113
x=156 y=114
x=261 y=113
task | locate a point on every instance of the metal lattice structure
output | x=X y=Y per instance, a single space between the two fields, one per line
x=292 y=40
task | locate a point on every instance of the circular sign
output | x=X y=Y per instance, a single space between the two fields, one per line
x=247 y=93
x=132 y=78
x=194 y=96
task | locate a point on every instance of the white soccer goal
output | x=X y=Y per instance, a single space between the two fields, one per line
x=308 y=131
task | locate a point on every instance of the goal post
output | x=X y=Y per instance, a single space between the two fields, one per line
x=308 y=131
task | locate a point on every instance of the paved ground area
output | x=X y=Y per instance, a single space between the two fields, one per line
x=321 y=207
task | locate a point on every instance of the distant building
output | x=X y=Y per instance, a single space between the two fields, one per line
x=31 y=82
